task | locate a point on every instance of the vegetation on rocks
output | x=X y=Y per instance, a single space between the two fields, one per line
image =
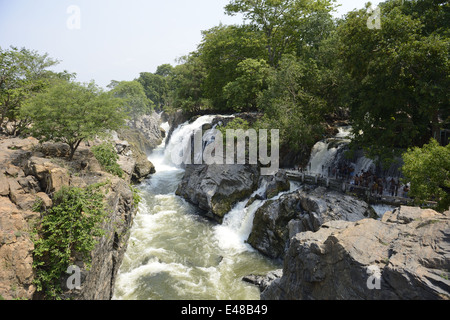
x=107 y=156
x=69 y=228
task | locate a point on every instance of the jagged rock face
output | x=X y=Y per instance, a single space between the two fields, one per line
x=149 y=126
x=404 y=256
x=275 y=184
x=16 y=251
x=263 y=282
x=216 y=188
x=137 y=146
x=26 y=176
x=303 y=210
x=98 y=282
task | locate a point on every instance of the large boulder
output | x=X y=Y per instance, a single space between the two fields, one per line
x=302 y=210
x=143 y=169
x=216 y=188
x=135 y=145
x=51 y=176
x=149 y=126
x=405 y=256
x=275 y=184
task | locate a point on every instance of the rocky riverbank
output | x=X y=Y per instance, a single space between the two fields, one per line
x=302 y=210
x=404 y=256
x=334 y=245
x=31 y=172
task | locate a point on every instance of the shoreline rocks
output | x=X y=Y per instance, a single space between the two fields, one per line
x=403 y=257
x=302 y=210
x=30 y=173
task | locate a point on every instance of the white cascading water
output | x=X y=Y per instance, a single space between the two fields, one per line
x=174 y=253
x=182 y=137
x=324 y=154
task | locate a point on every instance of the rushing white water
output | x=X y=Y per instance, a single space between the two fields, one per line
x=326 y=153
x=381 y=209
x=174 y=253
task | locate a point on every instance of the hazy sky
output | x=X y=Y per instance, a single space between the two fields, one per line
x=116 y=39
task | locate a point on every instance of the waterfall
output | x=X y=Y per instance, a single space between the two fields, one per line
x=181 y=137
x=174 y=253
x=328 y=155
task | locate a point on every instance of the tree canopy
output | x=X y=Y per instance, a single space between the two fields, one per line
x=296 y=66
x=71 y=112
x=23 y=73
x=285 y=24
x=399 y=75
x=134 y=98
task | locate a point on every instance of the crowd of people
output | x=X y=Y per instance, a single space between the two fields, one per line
x=382 y=186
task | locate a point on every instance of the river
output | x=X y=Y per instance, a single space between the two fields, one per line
x=176 y=254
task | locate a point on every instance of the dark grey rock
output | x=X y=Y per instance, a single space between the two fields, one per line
x=216 y=188
x=302 y=210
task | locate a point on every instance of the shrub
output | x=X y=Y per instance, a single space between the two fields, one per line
x=70 y=227
x=107 y=156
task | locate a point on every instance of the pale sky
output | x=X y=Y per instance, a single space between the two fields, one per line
x=116 y=39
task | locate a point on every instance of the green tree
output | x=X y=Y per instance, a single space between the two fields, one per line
x=428 y=171
x=70 y=112
x=23 y=73
x=242 y=93
x=292 y=104
x=156 y=87
x=398 y=78
x=187 y=82
x=283 y=22
x=133 y=95
x=222 y=49
x=164 y=70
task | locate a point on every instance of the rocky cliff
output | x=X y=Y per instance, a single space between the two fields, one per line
x=302 y=210
x=30 y=172
x=404 y=256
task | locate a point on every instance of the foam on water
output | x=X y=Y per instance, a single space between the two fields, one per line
x=174 y=253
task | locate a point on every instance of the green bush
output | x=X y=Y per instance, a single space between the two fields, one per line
x=70 y=227
x=428 y=171
x=137 y=198
x=107 y=156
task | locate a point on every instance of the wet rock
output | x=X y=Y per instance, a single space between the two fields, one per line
x=216 y=188
x=303 y=210
x=275 y=184
x=263 y=282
